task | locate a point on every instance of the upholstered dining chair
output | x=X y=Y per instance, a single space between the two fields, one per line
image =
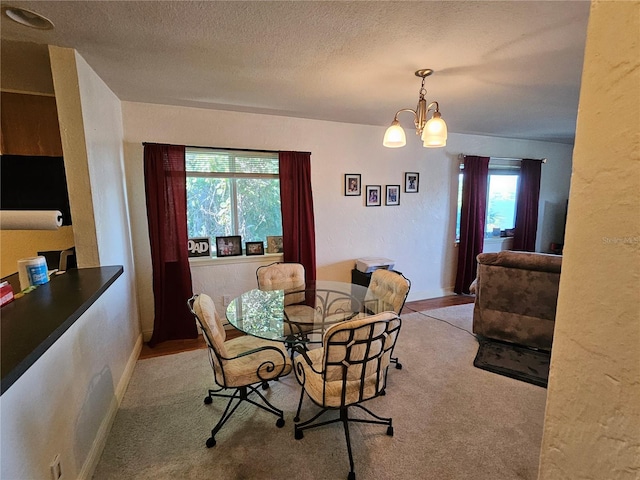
x=239 y=365
x=390 y=289
x=289 y=277
x=350 y=368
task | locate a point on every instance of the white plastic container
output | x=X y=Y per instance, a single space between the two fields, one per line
x=369 y=264
x=32 y=271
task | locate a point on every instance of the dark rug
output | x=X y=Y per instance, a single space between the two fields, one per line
x=513 y=361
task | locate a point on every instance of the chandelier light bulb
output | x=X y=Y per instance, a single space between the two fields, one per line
x=435 y=132
x=394 y=137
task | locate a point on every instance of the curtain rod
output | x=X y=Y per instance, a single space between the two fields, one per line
x=543 y=160
x=225 y=148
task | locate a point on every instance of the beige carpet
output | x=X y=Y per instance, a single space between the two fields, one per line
x=451 y=421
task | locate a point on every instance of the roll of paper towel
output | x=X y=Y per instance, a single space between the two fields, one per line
x=30 y=219
x=32 y=271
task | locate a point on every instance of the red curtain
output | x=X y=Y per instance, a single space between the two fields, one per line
x=166 y=192
x=524 y=235
x=298 y=225
x=472 y=219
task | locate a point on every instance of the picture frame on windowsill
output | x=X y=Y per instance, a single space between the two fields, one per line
x=274 y=244
x=254 y=248
x=229 y=246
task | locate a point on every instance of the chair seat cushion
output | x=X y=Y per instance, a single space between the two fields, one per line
x=262 y=365
x=302 y=319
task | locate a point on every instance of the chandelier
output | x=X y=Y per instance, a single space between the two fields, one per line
x=432 y=132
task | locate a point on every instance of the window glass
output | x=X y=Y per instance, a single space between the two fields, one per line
x=232 y=193
x=501 y=202
x=259 y=211
x=502 y=190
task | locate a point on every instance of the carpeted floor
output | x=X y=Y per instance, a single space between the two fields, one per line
x=501 y=358
x=451 y=420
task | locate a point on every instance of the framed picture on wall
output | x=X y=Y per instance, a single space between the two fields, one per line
x=352 y=184
x=229 y=246
x=411 y=180
x=392 y=195
x=254 y=248
x=373 y=196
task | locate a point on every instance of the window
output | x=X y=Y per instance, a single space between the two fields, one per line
x=232 y=193
x=502 y=192
x=501 y=201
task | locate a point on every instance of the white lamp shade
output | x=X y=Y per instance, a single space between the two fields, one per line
x=435 y=133
x=394 y=137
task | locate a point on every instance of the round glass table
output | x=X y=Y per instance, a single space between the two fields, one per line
x=301 y=316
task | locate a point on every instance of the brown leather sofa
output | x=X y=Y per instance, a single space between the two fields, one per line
x=516 y=297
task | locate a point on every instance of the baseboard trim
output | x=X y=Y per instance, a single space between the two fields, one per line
x=90 y=464
x=428 y=294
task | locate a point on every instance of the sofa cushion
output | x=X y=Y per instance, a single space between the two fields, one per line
x=541 y=262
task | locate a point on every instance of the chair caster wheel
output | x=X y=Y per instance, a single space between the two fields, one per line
x=351 y=476
x=296 y=419
x=298 y=435
x=208 y=400
x=211 y=442
x=265 y=385
x=280 y=423
x=399 y=366
x=390 y=431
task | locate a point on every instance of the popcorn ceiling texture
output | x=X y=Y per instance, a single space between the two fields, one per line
x=346 y=61
x=592 y=424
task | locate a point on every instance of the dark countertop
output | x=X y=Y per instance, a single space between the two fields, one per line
x=32 y=323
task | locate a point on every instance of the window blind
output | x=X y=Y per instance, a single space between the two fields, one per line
x=212 y=160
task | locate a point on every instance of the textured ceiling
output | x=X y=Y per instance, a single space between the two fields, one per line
x=507 y=69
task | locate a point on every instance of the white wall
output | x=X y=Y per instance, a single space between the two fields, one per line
x=592 y=421
x=418 y=234
x=101 y=125
x=65 y=402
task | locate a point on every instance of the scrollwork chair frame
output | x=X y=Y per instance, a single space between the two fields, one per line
x=349 y=369
x=240 y=364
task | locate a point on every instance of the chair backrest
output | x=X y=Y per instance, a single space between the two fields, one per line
x=357 y=354
x=289 y=277
x=389 y=288
x=204 y=310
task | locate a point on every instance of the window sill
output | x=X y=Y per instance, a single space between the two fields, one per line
x=208 y=261
x=497 y=239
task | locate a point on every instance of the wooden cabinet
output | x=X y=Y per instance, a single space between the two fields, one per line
x=29 y=125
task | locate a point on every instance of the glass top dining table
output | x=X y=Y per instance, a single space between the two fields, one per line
x=301 y=316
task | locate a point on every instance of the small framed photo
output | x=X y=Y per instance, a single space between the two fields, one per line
x=254 y=248
x=199 y=247
x=228 y=246
x=274 y=244
x=352 y=184
x=373 y=196
x=392 y=196
x=411 y=180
